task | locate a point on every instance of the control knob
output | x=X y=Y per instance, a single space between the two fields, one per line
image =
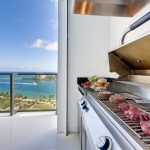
x=85 y=108
x=104 y=143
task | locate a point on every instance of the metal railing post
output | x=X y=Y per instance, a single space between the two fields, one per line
x=12 y=112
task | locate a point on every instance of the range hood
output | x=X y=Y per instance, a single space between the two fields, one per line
x=132 y=58
x=122 y=8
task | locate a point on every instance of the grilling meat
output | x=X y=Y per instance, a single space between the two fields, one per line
x=123 y=106
x=136 y=114
x=145 y=126
x=116 y=99
x=104 y=95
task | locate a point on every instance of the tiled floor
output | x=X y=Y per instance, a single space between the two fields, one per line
x=70 y=142
x=33 y=131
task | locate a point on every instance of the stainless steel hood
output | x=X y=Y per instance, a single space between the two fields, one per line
x=132 y=58
x=122 y=8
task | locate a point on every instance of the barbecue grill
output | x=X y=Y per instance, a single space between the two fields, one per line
x=132 y=63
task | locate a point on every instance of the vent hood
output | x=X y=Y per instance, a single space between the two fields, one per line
x=122 y=8
x=132 y=58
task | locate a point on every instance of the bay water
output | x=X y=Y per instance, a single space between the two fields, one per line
x=28 y=87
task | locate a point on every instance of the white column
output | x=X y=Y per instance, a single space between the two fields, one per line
x=62 y=67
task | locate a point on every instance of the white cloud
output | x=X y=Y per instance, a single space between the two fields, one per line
x=46 y=45
x=39 y=43
x=52 y=46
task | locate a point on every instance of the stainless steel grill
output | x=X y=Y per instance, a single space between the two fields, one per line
x=132 y=63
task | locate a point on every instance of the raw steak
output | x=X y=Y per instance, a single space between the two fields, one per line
x=145 y=126
x=123 y=106
x=136 y=114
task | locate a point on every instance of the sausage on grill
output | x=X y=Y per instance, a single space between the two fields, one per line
x=104 y=95
x=116 y=98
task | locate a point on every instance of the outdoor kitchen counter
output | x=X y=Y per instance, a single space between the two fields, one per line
x=118 y=128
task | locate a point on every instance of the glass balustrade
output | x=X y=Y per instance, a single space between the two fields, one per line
x=27 y=92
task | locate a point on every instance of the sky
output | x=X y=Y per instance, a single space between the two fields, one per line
x=28 y=35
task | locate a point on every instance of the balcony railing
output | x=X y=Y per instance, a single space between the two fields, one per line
x=27 y=91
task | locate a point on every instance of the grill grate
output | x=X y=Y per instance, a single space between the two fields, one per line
x=133 y=125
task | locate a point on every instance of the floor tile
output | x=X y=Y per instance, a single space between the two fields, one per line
x=34 y=131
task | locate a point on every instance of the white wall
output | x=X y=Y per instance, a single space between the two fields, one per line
x=88 y=46
x=119 y=24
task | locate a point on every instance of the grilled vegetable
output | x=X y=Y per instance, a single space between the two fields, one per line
x=94 y=78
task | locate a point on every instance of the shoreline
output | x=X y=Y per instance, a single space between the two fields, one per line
x=24 y=103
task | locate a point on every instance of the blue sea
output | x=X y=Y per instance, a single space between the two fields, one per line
x=30 y=88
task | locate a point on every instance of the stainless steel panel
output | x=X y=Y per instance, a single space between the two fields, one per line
x=118 y=2
x=141 y=72
x=121 y=2
x=140 y=78
x=126 y=8
x=118 y=66
x=139 y=89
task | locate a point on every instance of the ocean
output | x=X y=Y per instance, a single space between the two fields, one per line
x=27 y=87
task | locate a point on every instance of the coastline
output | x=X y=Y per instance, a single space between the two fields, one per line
x=24 y=103
x=40 y=77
